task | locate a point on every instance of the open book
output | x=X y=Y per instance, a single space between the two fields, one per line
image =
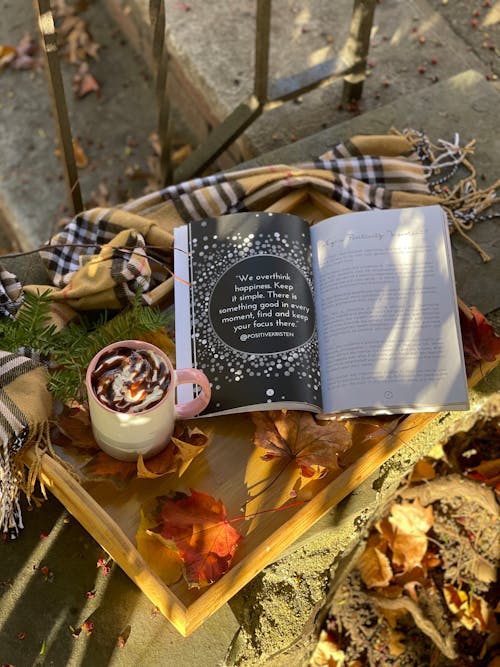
x=354 y=315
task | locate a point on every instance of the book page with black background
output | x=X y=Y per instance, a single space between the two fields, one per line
x=251 y=324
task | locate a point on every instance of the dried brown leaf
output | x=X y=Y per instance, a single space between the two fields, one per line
x=375 y=568
x=396 y=645
x=7 y=55
x=84 y=82
x=423 y=470
x=296 y=436
x=411 y=518
x=81 y=158
x=327 y=653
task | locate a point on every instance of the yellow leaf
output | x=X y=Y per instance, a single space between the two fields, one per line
x=470 y=609
x=396 y=647
x=165 y=562
x=7 y=54
x=183 y=447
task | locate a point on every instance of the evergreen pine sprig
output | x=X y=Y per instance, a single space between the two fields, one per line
x=71 y=349
x=31 y=328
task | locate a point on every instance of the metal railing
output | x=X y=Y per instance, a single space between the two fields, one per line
x=351 y=66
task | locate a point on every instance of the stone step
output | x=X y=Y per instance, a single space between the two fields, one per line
x=211 y=48
x=113 y=126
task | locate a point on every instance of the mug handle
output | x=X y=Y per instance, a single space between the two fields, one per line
x=194 y=407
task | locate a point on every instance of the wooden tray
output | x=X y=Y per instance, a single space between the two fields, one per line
x=112 y=517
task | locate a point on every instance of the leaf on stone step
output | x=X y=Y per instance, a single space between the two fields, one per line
x=375 y=568
x=81 y=158
x=327 y=653
x=7 y=55
x=471 y=610
x=84 y=82
x=27 y=54
x=423 y=470
x=396 y=643
x=405 y=531
x=487 y=472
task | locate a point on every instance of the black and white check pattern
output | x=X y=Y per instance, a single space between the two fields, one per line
x=14 y=429
x=11 y=295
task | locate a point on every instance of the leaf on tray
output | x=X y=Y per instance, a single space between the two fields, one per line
x=197 y=527
x=296 y=436
x=74 y=423
x=479 y=339
x=271 y=484
x=104 y=468
x=185 y=445
x=165 y=562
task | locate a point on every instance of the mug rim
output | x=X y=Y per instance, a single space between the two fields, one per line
x=133 y=344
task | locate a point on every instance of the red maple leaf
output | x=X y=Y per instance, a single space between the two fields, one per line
x=479 y=339
x=198 y=527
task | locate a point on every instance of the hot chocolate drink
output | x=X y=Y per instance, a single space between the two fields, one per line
x=127 y=380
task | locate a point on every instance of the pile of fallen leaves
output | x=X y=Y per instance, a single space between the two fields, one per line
x=424 y=590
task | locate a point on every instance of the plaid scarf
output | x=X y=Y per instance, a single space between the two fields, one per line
x=11 y=293
x=25 y=406
x=104 y=256
x=14 y=429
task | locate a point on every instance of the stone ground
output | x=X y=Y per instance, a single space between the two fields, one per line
x=38 y=606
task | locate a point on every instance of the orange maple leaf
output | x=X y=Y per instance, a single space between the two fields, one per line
x=296 y=436
x=197 y=526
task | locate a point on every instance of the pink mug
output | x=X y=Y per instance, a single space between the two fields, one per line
x=124 y=435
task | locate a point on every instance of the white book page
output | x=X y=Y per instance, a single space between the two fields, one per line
x=387 y=314
x=182 y=296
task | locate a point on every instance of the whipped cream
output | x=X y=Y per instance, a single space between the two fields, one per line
x=127 y=380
